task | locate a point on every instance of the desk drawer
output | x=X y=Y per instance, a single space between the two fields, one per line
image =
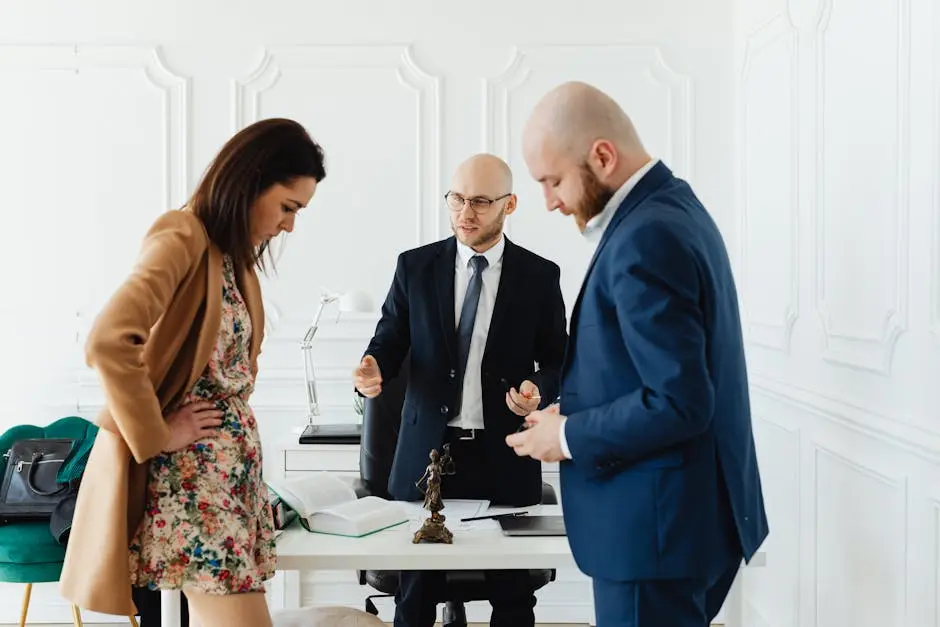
x=321 y=459
x=290 y=474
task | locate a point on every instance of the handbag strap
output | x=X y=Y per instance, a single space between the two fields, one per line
x=37 y=456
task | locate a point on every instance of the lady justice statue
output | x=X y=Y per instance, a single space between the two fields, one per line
x=433 y=529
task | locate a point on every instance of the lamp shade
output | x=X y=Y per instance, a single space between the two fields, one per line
x=356 y=301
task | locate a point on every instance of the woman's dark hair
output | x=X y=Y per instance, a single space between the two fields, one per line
x=266 y=153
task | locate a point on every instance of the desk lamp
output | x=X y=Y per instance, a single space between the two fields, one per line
x=339 y=433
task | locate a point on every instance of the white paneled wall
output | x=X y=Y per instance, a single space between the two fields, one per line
x=838 y=154
x=110 y=111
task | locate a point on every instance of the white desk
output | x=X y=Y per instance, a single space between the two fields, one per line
x=392 y=549
x=482 y=547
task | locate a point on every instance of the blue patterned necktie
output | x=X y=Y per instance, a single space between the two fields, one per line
x=468 y=315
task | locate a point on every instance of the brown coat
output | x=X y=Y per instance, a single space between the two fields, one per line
x=149 y=344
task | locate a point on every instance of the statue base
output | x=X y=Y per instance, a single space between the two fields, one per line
x=433 y=531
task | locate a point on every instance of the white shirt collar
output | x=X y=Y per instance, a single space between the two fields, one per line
x=493 y=255
x=596 y=226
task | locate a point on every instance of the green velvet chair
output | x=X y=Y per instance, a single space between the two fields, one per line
x=28 y=552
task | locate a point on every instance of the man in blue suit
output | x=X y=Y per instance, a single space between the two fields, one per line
x=660 y=485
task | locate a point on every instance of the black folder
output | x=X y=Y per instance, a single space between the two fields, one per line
x=340 y=433
x=532 y=525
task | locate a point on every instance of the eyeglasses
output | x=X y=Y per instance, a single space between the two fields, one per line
x=479 y=204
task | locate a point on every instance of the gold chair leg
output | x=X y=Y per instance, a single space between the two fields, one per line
x=76 y=616
x=26 y=595
x=133 y=620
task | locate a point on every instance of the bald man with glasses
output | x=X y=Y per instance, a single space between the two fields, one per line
x=484 y=322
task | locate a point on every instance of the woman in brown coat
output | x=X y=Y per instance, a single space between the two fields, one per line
x=172 y=496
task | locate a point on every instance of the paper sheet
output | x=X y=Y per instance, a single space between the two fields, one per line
x=454 y=510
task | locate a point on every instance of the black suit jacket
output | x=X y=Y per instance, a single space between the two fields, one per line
x=528 y=327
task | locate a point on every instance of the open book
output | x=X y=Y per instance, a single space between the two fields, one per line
x=326 y=504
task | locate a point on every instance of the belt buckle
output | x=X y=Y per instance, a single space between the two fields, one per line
x=473 y=434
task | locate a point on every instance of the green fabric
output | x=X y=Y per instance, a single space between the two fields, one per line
x=30 y=573
x=29 y=543
x=74 y=464
x=28 y=552
x=75 y=427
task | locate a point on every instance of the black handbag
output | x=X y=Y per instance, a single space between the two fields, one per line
x=30 y=490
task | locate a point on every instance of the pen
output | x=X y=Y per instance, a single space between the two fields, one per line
x=494 y=516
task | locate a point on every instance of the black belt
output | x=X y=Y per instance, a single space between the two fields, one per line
x=458 y=433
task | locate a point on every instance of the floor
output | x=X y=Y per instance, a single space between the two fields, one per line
x=471 y=625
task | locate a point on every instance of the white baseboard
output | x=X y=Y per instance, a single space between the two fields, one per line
x=46 y=606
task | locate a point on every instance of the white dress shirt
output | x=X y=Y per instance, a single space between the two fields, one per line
x=470 y=413
x=594 y=231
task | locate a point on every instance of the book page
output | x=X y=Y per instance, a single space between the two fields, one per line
x=361 y=517
x=357 y=510
x=312 y=493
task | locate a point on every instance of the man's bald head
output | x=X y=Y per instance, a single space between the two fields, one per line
x=581 y=147
x=479 y=199
x=575 y=115
x=482 y=174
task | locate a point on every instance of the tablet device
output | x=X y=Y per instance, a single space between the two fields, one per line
x=532 y=525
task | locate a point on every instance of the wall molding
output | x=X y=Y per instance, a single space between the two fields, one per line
x=920 y=442
x=753 y=616
x=498 y=91
x=899 y=483
x=246 y=97
x=774 y=334
x=873 y=351
x=934 y=296
x=172 y=89
x=796 y=432
x=174 y=93
x=936 y=563
x=892 y=481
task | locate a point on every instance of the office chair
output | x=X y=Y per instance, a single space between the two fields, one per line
x=380 y=423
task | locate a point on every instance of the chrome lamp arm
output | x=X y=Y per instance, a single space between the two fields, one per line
x=313 y=402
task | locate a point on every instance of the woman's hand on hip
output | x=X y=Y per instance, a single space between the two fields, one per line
x=192 y=422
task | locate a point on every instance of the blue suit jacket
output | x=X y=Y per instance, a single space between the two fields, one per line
x=663 y=481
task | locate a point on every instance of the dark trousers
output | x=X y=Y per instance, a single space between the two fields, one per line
x=148 y=607
x=509 y=592
x=673 y=602
x=661 y=603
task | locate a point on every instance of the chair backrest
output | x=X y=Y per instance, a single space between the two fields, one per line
x=381 y=419
x=75 y=427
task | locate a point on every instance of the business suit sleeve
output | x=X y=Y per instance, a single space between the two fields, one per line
x=655 y=284
x=392 y=337
x=116 y=343
x=550 y=340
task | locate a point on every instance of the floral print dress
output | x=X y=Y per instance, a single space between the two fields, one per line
x=208 y=524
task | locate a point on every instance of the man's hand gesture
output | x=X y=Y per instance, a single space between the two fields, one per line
x=525 y=401
x=368 y=378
